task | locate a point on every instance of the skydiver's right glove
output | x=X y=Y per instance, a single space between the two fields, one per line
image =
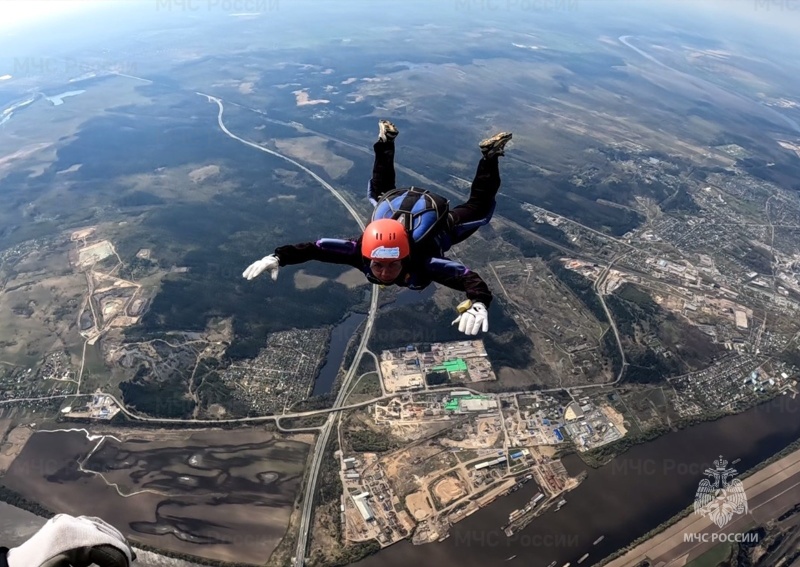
x=473 y=318
x=77 y=542
x=268 y=263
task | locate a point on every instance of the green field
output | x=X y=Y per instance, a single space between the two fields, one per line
x=367 y=388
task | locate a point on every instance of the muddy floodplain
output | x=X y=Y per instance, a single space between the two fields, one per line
x=223 y=495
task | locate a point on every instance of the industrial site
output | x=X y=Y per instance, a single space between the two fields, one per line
x=100 y=407
x=461 y=451
x=415 y=367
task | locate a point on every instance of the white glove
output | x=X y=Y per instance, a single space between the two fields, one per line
x=473 y=320
x=79 y=542
x=269 y=263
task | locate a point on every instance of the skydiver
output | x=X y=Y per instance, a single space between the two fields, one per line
x=386 y=255
x=68 y=541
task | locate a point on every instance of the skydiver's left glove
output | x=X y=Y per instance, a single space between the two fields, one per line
x=268 y=263
x=474 y=319
x=77 y=542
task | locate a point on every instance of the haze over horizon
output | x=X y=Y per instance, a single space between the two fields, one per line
x=643 y=262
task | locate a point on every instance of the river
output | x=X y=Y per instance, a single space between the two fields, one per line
x=343 y=332
x=621 y=501
x=340 y=336
x=58 y=99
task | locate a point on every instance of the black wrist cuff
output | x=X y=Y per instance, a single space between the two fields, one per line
x=3 y=560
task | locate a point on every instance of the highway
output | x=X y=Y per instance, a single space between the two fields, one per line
x=338 y=406
x=316 y=177
x=319 y=448
x=242 y=420
x=325 y=430
x=597 y=284
x=170 y=420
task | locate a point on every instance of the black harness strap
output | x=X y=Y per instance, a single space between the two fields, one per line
x=410 y=199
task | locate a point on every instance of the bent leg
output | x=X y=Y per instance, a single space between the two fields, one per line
x=383 y=175
x=478 y=210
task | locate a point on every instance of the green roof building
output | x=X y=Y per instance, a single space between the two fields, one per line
x=451 y=405
x=450 y=366
x=469 y=403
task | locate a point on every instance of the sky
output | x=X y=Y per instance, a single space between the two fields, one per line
x=17 y=13
x=764 y=12
x=770 y=13
x=752 y=22
x=781 y=15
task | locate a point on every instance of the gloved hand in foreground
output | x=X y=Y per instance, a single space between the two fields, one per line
x=67 y=541
x=269 y=263
x=474 y=319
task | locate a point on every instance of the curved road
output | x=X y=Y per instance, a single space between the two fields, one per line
x=171 y=420
x=319 y=448
x=321 y=181
x=256 y=419
x=299 y=559
x=600 y=281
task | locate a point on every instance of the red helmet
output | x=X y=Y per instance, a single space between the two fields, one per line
x=385 y=239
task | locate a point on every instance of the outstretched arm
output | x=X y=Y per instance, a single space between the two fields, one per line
x=457 y=276
x=330 y=250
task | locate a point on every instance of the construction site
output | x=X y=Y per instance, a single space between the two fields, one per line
x=101 y=407
x=461 y=460
x=420 y=367
x=430 y=407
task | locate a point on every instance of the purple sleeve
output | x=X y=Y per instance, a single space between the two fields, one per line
x=330 y=250
x=457 y=276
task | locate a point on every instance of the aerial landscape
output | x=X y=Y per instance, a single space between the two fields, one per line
x=643 y=257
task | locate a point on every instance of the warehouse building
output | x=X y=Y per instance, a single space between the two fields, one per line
x=363 y=506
